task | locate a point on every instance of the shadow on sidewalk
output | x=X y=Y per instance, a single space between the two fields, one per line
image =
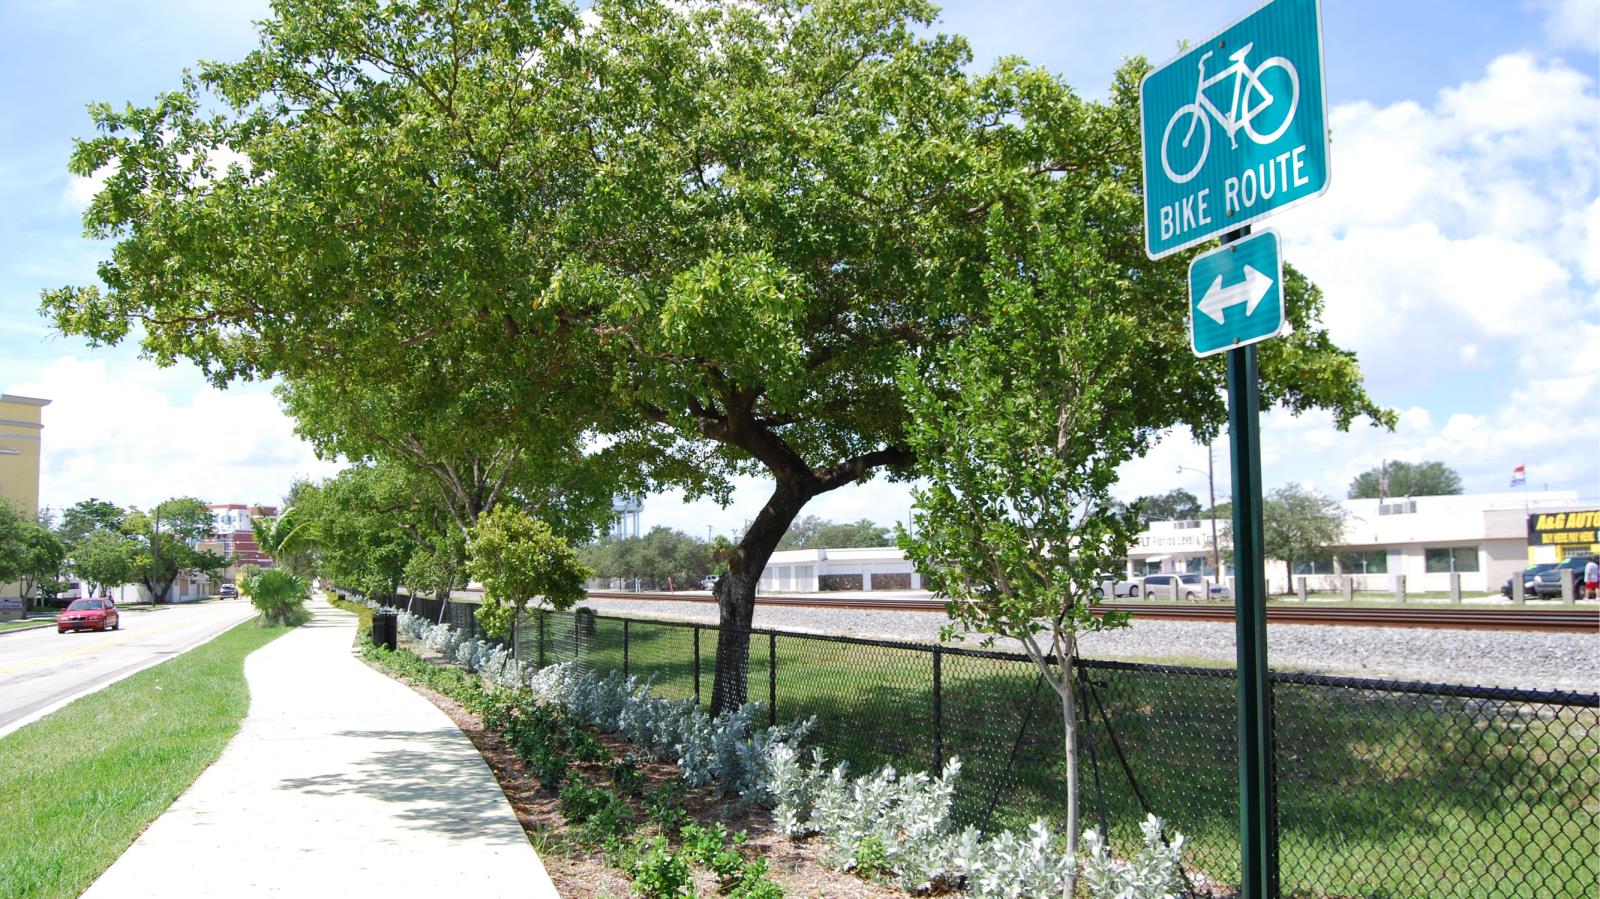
x=425 y=777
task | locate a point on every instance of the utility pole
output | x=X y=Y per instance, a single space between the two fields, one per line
x=1211 y=487
x=155 y=552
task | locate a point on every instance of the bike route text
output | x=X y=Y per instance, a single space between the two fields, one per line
x=1255 y=185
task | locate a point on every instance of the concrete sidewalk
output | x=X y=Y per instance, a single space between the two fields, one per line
x=341 y=782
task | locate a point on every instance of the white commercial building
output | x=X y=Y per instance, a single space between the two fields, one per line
x=812 y=570
x=1483 y=537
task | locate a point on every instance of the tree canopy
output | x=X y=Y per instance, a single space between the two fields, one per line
x=520 y=560
x=811 y=532
x=1406 y=479
x=1174 y=505
x=166 y=540
x=13 y=542
x=104 y=559
x=1298 y=524
x=369 y=520
x=84 y=517
x=660 y=556
x=686 y=241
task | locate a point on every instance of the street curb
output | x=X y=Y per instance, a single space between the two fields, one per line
x=23 y=630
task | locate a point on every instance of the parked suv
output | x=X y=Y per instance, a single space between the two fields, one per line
x=1548 y=582
x=1190 y=586
x=1527 y=579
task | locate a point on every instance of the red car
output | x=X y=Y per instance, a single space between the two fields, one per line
x=88 y=614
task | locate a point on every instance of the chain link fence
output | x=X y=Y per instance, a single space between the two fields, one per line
x=1383 y=789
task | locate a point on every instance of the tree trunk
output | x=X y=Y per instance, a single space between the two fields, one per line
x=736 y=593
x=1069 y=740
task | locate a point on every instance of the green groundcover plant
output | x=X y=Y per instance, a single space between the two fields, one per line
x=884 y=826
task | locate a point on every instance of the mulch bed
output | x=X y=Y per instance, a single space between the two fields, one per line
x=581 y=872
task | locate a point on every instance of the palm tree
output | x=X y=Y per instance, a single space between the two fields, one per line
x=279 y=595
x=282 y=535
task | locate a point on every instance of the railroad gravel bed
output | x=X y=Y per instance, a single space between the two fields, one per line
x=1503 y=659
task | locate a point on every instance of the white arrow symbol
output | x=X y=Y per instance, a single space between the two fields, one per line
x=1249 y=291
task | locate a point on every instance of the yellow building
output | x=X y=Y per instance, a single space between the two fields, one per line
x=21 y=427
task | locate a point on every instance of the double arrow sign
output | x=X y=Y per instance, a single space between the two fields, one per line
x=1250 y=292
x=1247 y=273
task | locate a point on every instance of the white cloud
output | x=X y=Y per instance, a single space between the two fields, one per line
x=1572 y=23
x=114 y=431
x=80 y=191
x=1461 y=237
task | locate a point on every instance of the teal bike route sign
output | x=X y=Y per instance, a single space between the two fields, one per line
x=1236 y=294
x=1235 y=129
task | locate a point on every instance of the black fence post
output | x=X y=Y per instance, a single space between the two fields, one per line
x=697 y=664
x=772 y=678
x=625 y=623
x=938 y=710
x=542 y=616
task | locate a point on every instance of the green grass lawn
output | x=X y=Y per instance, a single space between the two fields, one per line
x=1381 y=794
x=23 y=623
x=81 y=784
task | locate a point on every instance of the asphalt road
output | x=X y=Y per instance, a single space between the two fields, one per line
x=41 y=670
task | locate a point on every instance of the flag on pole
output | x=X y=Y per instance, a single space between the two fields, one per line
x=1519 y=476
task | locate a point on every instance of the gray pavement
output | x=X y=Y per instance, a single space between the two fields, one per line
x=340 y=781
x=41 y=670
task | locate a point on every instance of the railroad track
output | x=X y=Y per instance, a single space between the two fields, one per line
x=1548 y=620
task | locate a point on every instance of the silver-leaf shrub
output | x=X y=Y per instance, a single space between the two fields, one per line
x=1013 y=866
x=1152 y=874
x=908 y=816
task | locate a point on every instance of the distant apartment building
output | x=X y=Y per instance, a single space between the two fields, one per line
x=21 y=432
x=233 y=538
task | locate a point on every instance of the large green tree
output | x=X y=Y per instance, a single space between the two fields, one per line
x=1298 y=524
x=660 y=556
x=1406 y=479
x=13 y=542
x=104 y=559
x=701 y=237
x=84 y=517
x=811 y=532
x=44 y=559
x=1174 y=505
x=168 y=538
x=368 y=521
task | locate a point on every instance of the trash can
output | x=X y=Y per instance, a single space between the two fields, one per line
x=385 y=628
x=583 y=620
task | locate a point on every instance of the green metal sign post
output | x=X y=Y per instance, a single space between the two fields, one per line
x=1257 y=812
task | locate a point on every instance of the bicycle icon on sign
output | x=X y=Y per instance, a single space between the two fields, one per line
x=1247 y=85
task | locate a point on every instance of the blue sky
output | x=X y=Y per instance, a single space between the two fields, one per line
x=1459 y=247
